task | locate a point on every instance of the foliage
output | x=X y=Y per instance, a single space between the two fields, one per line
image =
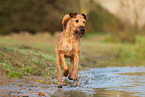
x=37 y=16
x=132 y=51
x=101 y=20
x=34 y=15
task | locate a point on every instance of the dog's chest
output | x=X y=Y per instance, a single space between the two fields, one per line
x=70 y=44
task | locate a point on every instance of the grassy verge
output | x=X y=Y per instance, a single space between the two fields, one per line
x=132 y=53
x=101 y=50
x=27 y=55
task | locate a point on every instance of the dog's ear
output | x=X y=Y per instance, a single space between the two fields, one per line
x=85 y=16
x=65 y=20
x=72 y=14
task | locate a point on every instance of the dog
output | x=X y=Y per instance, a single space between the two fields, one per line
x=68 y=44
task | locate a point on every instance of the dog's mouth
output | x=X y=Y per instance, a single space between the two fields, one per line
x=80 y=31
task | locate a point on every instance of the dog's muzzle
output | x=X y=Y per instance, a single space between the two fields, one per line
x=80 y=31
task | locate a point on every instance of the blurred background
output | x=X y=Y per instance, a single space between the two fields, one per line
x=113 y=16
x=30 y=28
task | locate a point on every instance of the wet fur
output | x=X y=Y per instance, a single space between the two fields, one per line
x=68 y=45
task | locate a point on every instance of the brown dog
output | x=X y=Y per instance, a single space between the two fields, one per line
x=68 y=44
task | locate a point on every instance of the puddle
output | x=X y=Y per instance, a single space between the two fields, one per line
x=95 y=82
x=122 y=79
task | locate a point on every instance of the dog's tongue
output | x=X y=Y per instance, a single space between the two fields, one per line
x=79 y=33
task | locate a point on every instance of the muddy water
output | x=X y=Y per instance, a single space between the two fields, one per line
x=96 y=82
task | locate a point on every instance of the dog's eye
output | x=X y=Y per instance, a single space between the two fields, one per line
x=84 y=22
x=77 y=21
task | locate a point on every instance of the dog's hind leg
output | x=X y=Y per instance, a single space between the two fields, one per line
x=71 y=68
x=59 y=72
x=64 y=65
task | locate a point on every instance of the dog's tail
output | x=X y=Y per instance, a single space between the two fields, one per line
x=65 y=20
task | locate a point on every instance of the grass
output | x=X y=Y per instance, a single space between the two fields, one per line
x=105 y=51
x=28 y=55
x=134 y=53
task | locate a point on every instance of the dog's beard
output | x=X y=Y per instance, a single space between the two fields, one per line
x=79 y=33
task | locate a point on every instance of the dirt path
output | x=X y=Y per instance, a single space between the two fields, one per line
x=95 y=82
x=28 y=86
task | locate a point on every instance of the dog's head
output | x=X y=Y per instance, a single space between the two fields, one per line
x=77 y=23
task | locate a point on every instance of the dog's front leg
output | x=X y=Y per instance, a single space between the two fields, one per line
x=59 y=71
x=64 y=65
x=71 y=68
x=76 y=59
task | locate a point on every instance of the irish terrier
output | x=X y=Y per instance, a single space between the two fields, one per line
x=68 y=44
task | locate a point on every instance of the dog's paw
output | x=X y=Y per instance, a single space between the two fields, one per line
x=60 y=84
x=65 y=73
x=74 y=77
x=70 y=77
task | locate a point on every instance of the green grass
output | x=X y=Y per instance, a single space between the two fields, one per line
x=28 y=55
x=15 y=74
x=132 y=52
x=102 y=50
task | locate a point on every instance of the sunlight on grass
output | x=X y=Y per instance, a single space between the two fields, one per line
x=35 y=54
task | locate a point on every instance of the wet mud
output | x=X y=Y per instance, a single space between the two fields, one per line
x=94 y=82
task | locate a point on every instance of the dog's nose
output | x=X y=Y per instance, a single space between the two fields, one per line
x=82 y=29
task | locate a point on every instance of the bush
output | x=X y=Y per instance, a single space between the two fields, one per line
x=34 y=15
x=131 y=51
